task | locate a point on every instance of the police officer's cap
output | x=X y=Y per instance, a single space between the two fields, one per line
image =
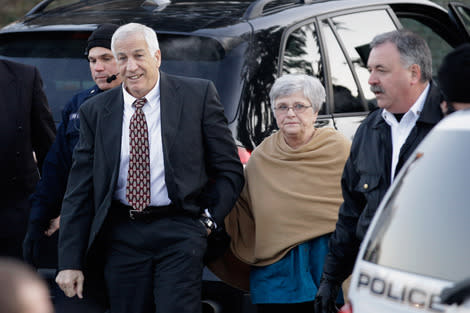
x=101 y=37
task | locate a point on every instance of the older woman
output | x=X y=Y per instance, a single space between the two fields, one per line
x=289 y=205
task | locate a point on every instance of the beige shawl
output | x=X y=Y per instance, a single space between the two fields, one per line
x=290 y=196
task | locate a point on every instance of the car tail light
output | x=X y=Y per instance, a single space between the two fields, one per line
x=244 y=155
x=347 y=308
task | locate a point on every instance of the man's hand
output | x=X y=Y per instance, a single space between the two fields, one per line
x=54 y=225
x=326 y=297
x=71 y=282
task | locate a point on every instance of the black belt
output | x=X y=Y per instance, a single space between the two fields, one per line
x=148 y=214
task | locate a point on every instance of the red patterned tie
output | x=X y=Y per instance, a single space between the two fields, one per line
x=138 y=177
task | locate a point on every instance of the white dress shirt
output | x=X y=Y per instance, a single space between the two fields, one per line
x=158 y=190
x=401 y=130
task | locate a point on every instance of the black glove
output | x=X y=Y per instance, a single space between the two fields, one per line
x=31 y=242
x=325 y=300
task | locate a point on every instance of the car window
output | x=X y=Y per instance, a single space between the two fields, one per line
x=345 y=89
x=346 y=39
x=425 y=221
x=461 y=15
x=464 y=13
x=64 y=68
x=61 y=62
x=355 y=31
x=302 y=54
x=438 y=45
x=203 y=57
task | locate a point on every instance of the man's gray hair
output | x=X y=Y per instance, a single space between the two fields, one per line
x=289 y=84
x=135 y=28
x=413 y=49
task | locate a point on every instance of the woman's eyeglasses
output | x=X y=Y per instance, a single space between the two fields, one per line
x=297 y=108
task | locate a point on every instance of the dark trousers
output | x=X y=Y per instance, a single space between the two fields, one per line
x=14 y=215
x=154 y=266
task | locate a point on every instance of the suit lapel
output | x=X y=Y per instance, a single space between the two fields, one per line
x=170 y=110
x=111 y=129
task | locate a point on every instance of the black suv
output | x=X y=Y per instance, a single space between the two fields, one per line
x=242 y=46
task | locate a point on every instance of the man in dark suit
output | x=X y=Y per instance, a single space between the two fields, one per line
x=27 y=131
x=149 y=229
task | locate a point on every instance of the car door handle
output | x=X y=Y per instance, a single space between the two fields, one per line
x=322 y=123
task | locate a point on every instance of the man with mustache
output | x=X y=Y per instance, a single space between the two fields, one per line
x=400 y=67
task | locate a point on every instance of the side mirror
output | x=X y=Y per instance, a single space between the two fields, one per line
x=456 y=294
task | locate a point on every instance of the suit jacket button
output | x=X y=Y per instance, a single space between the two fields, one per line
x=366 y=186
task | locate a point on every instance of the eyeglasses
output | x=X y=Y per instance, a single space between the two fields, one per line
x=297 y=108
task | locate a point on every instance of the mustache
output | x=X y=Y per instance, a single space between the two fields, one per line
x=376 y=88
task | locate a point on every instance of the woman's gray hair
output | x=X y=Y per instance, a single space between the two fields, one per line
x=413 y=49
x=134 y=28
x=289 y=84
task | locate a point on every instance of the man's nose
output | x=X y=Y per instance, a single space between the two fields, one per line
x=372 y=79
x=131 y=65
x=99 y=66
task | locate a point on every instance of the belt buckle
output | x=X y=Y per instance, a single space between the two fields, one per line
x=131 y=214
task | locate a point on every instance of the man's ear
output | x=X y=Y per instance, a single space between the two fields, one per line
x=415 y=70
x=158 y=57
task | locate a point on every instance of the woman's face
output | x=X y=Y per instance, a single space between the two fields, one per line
x=295 y=124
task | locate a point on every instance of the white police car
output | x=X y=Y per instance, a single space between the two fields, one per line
x=417 y=243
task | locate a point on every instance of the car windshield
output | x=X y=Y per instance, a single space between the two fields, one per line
x=59 y=56
x=424 y=226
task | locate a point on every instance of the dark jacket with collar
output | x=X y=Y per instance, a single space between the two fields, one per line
x=366 y=178
x=26 y=125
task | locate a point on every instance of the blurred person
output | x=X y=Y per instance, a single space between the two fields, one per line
x=453 y=77
x=155 y=171
x=22 y=290
x=400 y=67
x=288 y=208
x=28 y=130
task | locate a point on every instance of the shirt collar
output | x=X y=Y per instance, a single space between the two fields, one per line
x=415 y=109
x=152 y=96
